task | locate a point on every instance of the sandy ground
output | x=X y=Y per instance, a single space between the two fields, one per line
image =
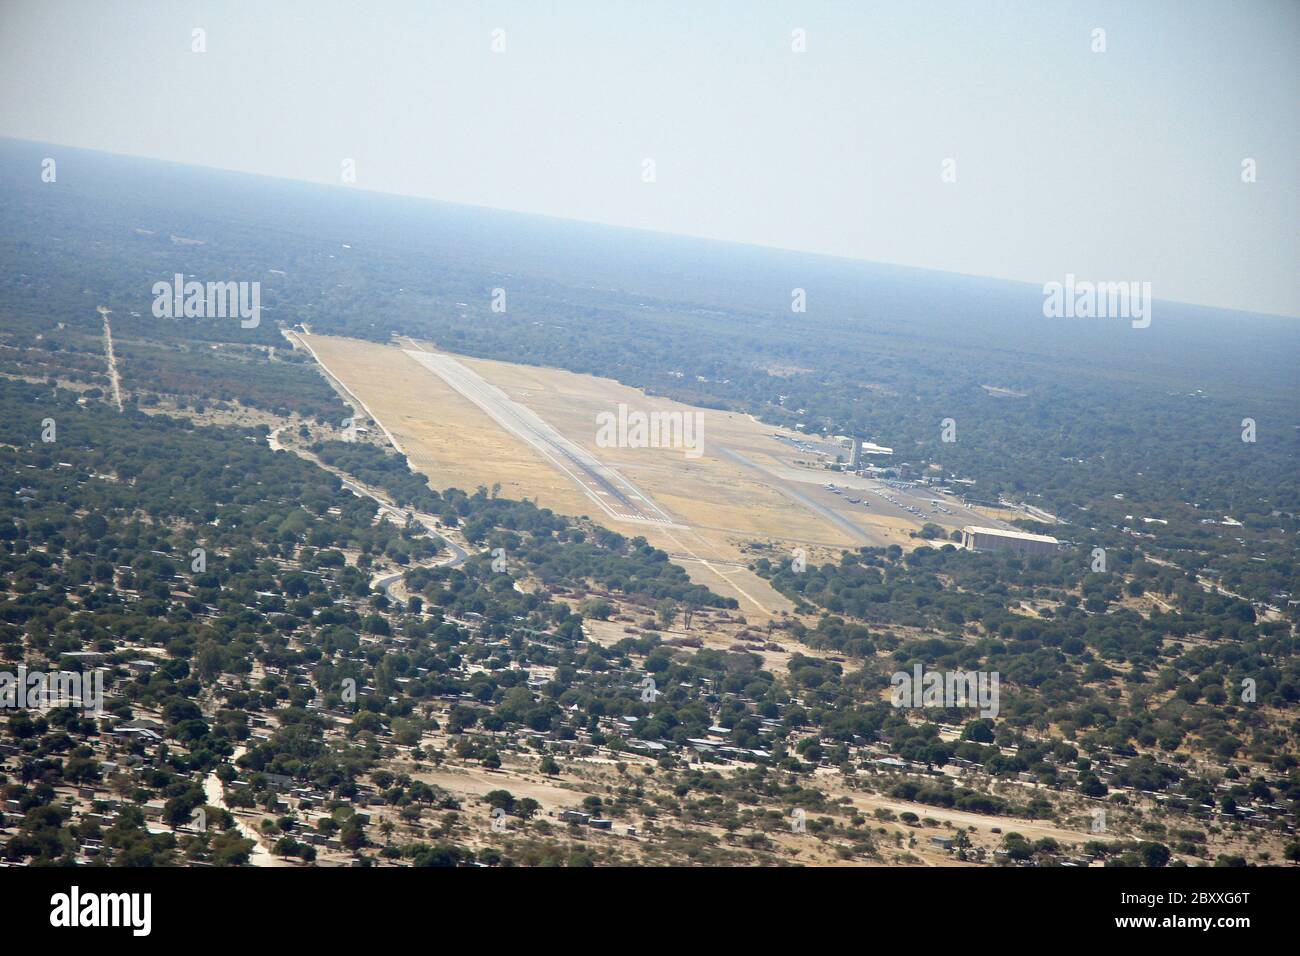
x=715 y=636
x=481 y=781
x=580 y=778
x=738 y=491
x=215 y=796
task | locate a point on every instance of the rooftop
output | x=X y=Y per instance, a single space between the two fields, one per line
x=1008 y=533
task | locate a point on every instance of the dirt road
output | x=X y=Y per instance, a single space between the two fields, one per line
x=113 y=375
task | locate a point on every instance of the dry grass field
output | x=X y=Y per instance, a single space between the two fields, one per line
x=738 y=491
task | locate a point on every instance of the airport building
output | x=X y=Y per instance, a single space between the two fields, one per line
x=858 y=449
x=995 y=539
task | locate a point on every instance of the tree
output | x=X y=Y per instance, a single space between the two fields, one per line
x=230 y=849
x=353 y=835
x=596 y=609
x=1154 y=854
x=667 y=611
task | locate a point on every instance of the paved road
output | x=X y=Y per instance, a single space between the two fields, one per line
x=457 y=555
x=844 y=524
x=386 y=581
x=880 y=496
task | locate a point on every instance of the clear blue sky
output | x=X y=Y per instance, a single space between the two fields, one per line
x=1120 y=165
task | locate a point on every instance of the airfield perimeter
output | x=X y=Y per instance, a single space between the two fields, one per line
x=465 y=422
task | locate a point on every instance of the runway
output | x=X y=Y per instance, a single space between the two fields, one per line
x=611 y=491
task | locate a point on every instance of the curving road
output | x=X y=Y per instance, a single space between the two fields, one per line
x=214 y=795
x=457 y=554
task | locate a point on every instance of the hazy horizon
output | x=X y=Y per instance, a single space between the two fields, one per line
x=1113 y=166
x=637 y=231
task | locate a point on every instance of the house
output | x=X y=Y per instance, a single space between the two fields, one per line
x=651 y=745
x=278 y=781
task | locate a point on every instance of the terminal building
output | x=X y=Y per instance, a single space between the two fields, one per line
x=859 y=448
x=996 y=539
